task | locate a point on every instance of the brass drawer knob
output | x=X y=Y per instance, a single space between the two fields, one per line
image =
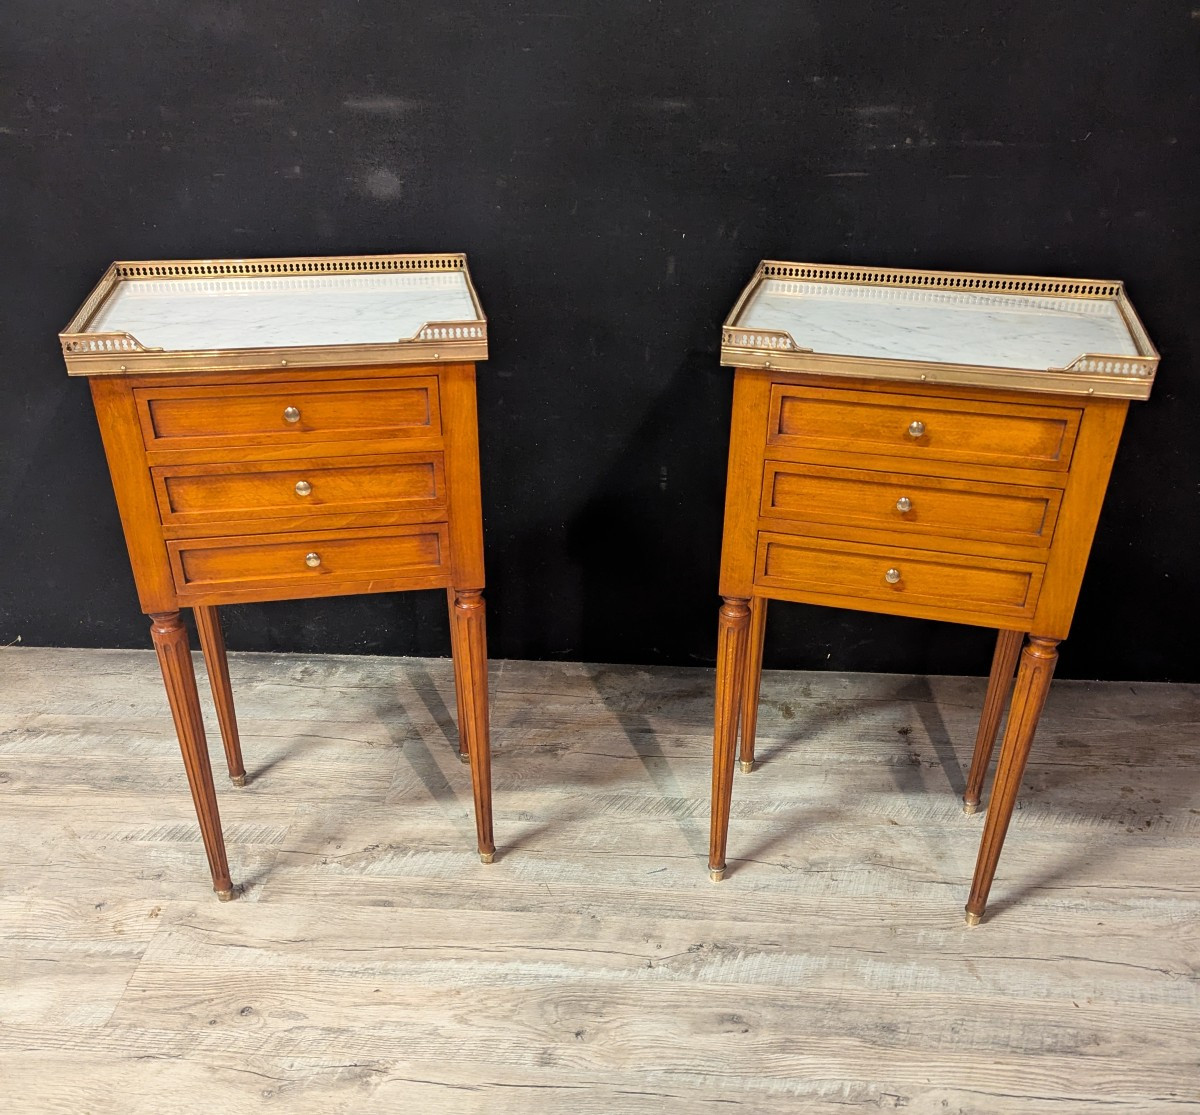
x=312 y=560
x=916 y=428
x=304 y=488
x=291 y=414
x=892 y=576
x=902 y=504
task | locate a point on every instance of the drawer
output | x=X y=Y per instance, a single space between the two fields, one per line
x=280 y=414
x=923 y=427
x=190 y=495
x=909 y=505
x=313 y=563
x=850 y=574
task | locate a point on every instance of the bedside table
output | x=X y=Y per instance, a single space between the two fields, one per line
x=287 y=428
x=923 y=444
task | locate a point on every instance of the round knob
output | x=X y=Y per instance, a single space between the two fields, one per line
x=916 y=428
x=892 y=576
x=902 y=504
x=291 y=414
x=304 y=488
x=314 y=559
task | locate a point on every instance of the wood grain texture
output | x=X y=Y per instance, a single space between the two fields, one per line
x=116 y=413
x=246 y=566
x=752 y=682
x=1030 y=691
x=999 y=690
x=204 y=495
x=932 y=584
x=179 y=677
x=970 y=427
x=457 y=382
x=733 y=638
x=1000 y=518
x=471 y=685
x=212 y=643
x=375 y=965
x=329 y=408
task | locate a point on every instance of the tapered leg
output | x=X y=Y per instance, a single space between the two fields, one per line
x=212 y=642
x=1000 y=684
x=171 y=644
x=753 y=681
x=733 y=636
x=1029 y=697
x=470 y=678
x=464 y=755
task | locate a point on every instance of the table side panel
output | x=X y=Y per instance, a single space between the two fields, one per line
x=1099 y=435
x=461 y=436
x=120 y=430
x=747 y=446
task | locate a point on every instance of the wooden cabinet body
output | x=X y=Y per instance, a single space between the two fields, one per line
x=913 y=492
x=306 y=479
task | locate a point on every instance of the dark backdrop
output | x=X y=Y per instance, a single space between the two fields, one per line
x=614 y=171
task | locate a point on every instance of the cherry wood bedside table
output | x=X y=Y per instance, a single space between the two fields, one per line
x=286 y=428
x=924 y=444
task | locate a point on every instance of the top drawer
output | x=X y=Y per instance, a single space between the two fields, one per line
x=274 y=414
x=919 y=427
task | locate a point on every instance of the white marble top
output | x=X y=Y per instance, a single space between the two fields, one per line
x=938 y=326
x=262 y=312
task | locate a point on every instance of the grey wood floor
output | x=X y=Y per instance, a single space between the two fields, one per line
x=374 y=965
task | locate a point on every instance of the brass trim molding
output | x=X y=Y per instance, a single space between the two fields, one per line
x=116 y=353
x=1101 y=374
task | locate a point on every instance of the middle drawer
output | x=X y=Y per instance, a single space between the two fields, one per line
x=197 y=495
x=903 y=504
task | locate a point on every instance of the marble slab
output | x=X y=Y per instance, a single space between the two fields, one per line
x=951 y=327
x=262 y=312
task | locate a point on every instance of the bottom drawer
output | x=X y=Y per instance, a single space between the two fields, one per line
x=316 y=561
x=913 y=582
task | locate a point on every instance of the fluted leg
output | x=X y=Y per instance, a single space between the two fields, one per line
x=470 y=678
x=753 y=680
x=171 y=644
x=212 y=642
x=1029 y=697
x=1000 y=685
x=464 y=755
x=733 y=635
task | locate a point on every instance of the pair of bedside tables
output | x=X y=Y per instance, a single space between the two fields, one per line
x=916 y=443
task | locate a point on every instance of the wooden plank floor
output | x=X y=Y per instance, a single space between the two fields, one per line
x=374 y=965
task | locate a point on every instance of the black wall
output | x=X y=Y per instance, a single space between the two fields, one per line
x=614 y=171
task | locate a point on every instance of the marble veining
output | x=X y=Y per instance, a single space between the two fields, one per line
x=939 y=326
x=299 y=310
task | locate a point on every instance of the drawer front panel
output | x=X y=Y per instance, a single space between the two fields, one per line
x=315 y=560
x=933 y=582
x=909 y=505
x=300 y=414
x=918 y=427
x=193 y=494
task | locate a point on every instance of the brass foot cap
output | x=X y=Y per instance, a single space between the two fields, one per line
x=973 y=919
x=970 y=807
x=716 y=874
x=486 y=857
x=463 y=757
x=226 y=895
x=747 y=765
x=238 y=779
